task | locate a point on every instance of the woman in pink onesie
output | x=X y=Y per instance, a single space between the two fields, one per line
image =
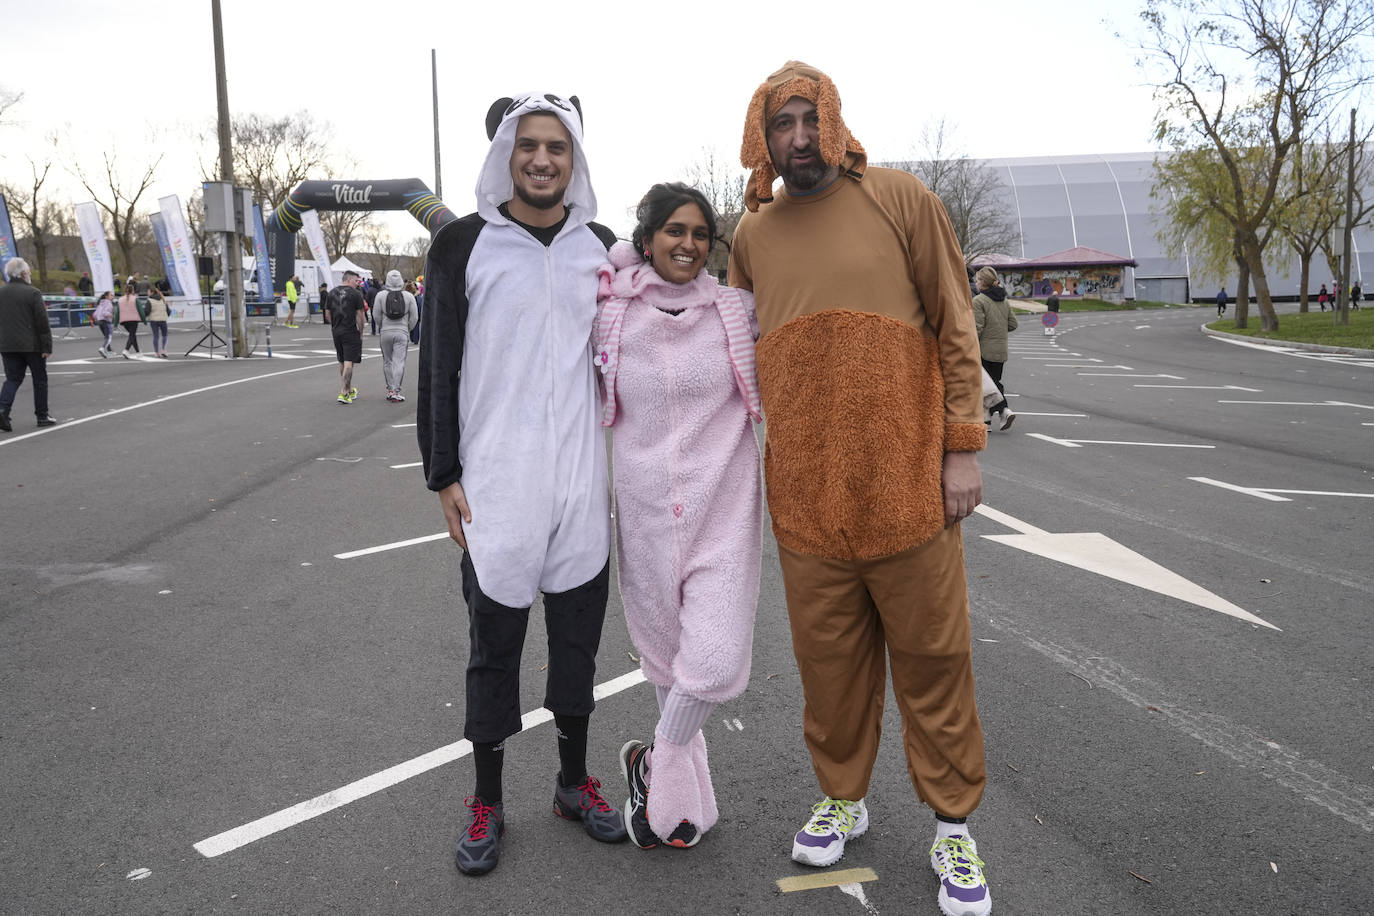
x=676 y=351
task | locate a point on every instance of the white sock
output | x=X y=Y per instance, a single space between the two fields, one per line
x=944 y=829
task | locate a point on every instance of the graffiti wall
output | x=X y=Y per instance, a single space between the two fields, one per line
x=1086 y=282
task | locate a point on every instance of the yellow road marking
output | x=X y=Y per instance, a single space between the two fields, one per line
x=826 y=879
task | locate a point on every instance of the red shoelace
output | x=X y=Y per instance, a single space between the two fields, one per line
x=481 y=817
x=591 y=798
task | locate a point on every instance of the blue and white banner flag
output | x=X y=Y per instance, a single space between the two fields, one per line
x=9 y=248
x=179 y=240
x=314 y=237
x=169 y=265
x=97 y=248
x=264 y=264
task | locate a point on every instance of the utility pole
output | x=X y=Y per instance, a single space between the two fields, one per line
x=434 y=81
x=1349 y=228
x=233 y=251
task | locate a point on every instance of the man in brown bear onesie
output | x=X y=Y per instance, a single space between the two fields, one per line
x=869 y=370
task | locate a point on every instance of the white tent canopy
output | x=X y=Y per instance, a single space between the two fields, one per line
x=343 y=263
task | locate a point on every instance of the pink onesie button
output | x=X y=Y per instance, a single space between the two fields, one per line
x=677 y=510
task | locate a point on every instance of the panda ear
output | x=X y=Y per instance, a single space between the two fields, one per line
x=495 y=114
x=578 y=105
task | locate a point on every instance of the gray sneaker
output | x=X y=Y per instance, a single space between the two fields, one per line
x=480 y=847
x=584 y=802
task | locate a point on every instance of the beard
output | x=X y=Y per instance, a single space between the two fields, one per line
x=803 y=177
x=546 y=201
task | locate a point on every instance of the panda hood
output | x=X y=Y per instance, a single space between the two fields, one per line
x=494 y=185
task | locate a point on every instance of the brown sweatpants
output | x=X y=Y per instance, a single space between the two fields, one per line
x=847 y=617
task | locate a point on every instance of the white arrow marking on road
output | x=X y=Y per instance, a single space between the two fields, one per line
x=1204 y=387
x=1305 y=404
x=1097 y=553
x=1267 y=492
x=1077 y=443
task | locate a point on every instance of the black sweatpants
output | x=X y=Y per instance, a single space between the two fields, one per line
x=496 y=639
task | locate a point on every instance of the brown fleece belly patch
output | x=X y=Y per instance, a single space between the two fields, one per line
x=855 y=437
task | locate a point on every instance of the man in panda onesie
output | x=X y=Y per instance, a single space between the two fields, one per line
x=508 y=423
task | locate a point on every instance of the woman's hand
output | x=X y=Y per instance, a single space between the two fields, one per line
x=962 y=483
x=454 y=502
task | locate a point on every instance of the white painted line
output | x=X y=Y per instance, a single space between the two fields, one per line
x=1122 y=375
x=1203 y=387
x=1031 y=413
x=1050 y=358
x=1267 y=492
x=1064 y=442
x=413 y=464
x=1013 y=523
x=1141 y=327
x=68 y=424
x=1120 y=442
x=1303 y=404
x=1248 y=491
x=1084 y=366
x=401 y=425
x=75 y=372
x=392 y=546
x=368 y=785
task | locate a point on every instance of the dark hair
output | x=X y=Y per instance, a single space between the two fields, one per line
x=661 y=202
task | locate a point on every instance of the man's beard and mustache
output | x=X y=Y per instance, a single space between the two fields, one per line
x=546 y=201
x=803 y=177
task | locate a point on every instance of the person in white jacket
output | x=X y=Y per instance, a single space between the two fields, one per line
x=398 y=314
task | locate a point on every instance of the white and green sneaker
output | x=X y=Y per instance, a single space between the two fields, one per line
x=963 y=889
x=833 y=822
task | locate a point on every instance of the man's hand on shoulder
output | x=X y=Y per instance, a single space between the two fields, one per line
x=454 y=502
x=962 y=483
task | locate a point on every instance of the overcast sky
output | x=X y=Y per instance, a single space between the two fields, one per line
x=659 y=82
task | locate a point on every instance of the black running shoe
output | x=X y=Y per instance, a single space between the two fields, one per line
x=584 y=803
x=684 y=836
x=480 y=846
x=634 y=766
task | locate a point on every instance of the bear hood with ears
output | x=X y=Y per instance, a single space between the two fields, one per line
x=494 y=184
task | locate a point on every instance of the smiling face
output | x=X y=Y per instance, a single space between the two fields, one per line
x=678 y=250
x=794 y=143
x=541 y=166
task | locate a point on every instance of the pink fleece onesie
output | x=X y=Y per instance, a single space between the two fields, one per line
x=681 y=394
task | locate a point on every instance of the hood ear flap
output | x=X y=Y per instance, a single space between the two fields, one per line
x=578 y=105
x=495 y=114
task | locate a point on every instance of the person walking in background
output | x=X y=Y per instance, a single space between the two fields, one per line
x=676 y=351
x=129 y=318
x=370 y=288
x=993 y=319
x=346 y=305
x=868 y=369
x=514 y=450
x=1322 y=296
x=1355 y=294
x=324 y=303
x=1221 y=302
x=25 y=342
x=158 y=316
x=85 y=285
x=399 y=316
x=1052 y=306
x=102 y=316
x=293 y=287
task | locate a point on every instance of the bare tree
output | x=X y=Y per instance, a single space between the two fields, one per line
x=384 y=255
x=119 y=199
x=1248 y=79
x=723 y=183
x=339 y=227
x=8 y=99
x=35 y=214
x=972 y=193
x=273 y=155
x=416 y=250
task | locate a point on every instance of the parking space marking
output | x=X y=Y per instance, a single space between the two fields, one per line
x=1121 y=375
x=413 y=464
x=1270 y=493
x=1031 y=413
x=394 y=545
x=253 y=831
x=1303 y=404
x=1086 y=366
x=1077 y=443
x=68 y=424
x=1204 y=387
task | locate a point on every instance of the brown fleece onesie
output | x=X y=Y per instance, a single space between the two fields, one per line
x=869 y=372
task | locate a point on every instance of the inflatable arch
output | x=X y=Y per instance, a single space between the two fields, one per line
x=409 y=194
